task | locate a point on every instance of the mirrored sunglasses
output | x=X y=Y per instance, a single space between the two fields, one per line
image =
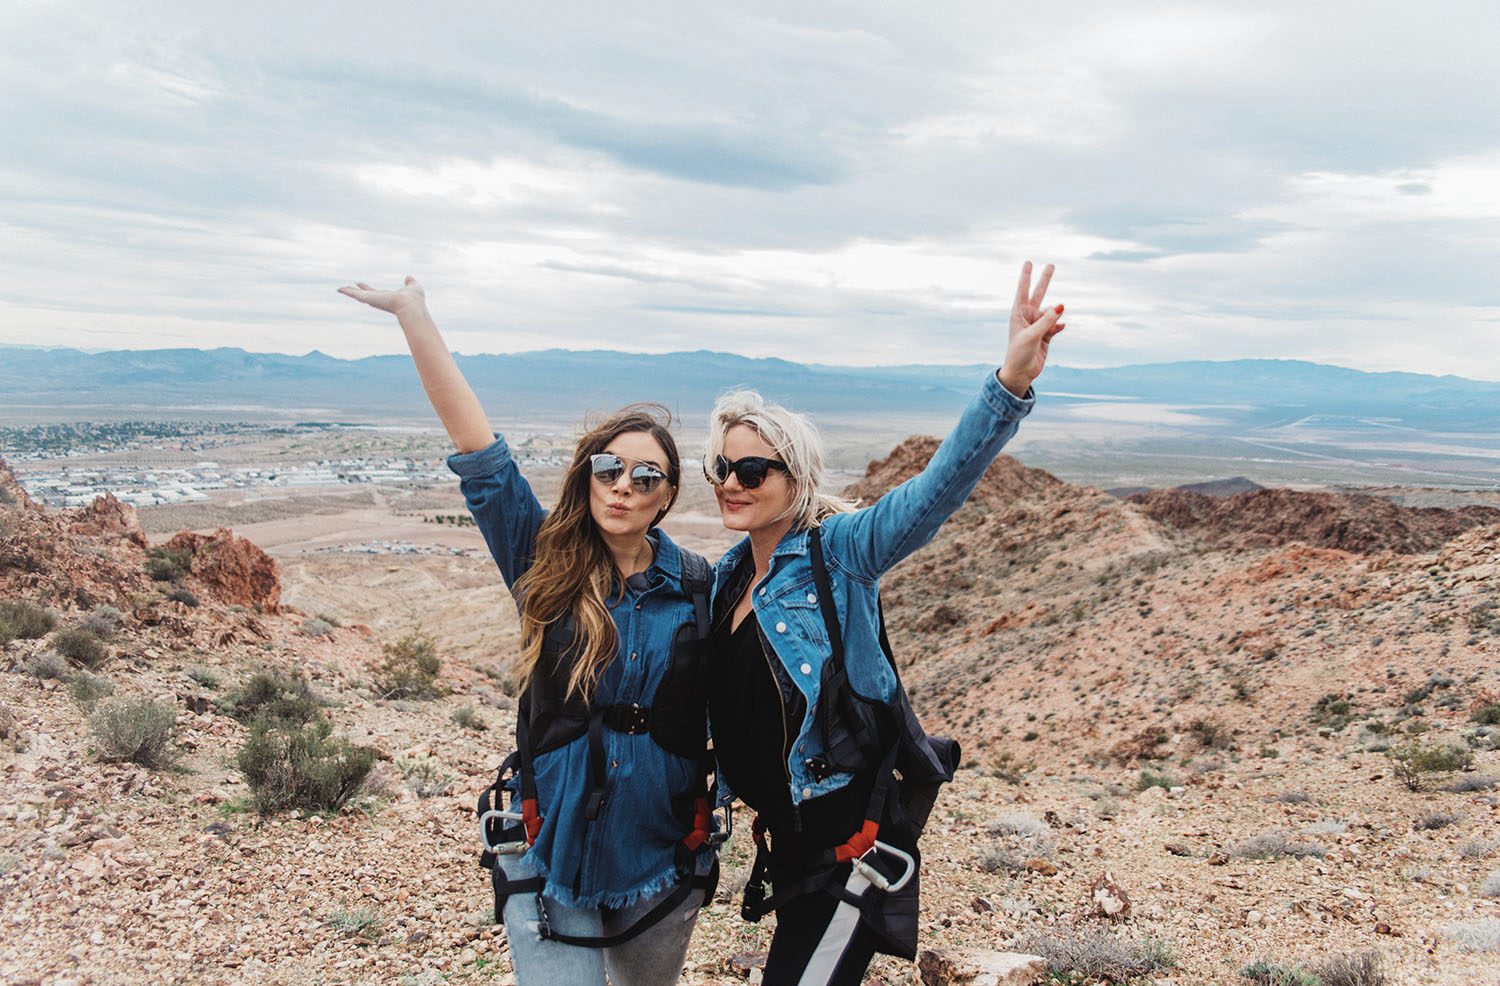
x=608 y=468
x=751 y=470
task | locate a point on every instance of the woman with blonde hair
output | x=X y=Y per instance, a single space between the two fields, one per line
x=811 y=726
x=603 y=861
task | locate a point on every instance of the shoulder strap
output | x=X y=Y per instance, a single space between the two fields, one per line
x=825 y=597
x=697 y=582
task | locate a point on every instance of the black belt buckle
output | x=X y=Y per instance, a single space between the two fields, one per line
x=630 y=719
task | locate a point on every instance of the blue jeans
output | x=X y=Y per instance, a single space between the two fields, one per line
x=652 y=958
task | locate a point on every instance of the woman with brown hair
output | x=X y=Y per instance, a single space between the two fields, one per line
x=605 y=864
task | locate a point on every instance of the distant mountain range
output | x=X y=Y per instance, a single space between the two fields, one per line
x=557 y=382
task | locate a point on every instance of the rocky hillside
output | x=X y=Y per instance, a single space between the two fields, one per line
x=1177 y=736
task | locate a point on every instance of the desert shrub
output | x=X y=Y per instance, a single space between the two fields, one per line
x=272 y=696
x=423 y=774
x=1007 y=767
x=1273 y=844
x=206 y=677
x=1491 y=885
x=1333 y=711
x=998 y=859
x=182 y=594
x=301 y=765
x=7 y=498
x=1294 y=797
x=163 y=564
x=103 y=622
x=1351 y=969
x=24 y=620
x=1093 y=954
x=1413 y=761
x=80 y=646
x=87 y=689
x=467 y=717
x=135 y=729
x=362 y=921
x=1482 y=935
x=1106 y=808
x=1213 y=735
x=1434 y=820
x=45 y=666
x=1477 y=848
x=1150 y=779
x=1141 y=746
x=1485 y=616
x=1488 y=715
x=1469 y=782
x=1018 y=823
x=1328 y=826
x=1265 y=972
x=316 y=626
x=410 y=669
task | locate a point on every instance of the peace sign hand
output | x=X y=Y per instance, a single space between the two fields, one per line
x=1031 y=332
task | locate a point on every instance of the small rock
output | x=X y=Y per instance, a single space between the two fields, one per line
x=1109 y=898
x=1381 y=928
x=746 y=964
x=1178 y=849
x=1043 y=866
x=1353 y=894
x=965 y=967
x=981 y=906
x=1218 y=859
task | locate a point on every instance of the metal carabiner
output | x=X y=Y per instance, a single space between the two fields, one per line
x=503 y=848
x=722 y=835
x=879 y=879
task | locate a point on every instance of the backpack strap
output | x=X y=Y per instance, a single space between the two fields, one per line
x=697 y=583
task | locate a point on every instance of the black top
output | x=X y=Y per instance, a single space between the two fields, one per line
x=750 y=741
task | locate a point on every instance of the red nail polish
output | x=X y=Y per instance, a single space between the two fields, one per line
x=1059 y=309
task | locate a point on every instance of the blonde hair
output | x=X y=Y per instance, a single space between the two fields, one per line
x=573 y=570
x=796 y=442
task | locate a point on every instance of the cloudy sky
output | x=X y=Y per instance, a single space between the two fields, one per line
x=826 y=180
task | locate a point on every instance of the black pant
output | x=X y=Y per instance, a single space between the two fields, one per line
x=817 y=942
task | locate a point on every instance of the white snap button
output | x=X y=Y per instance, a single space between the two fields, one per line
x=762 y=591
x=812 y=597
x=807 y=792
x=807 y=669
x=781 y=628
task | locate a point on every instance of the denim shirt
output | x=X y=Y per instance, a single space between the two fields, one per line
x=858 y=548
x=628 y=851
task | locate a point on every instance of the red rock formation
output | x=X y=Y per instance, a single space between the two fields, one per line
x=233 y=569
x=1347 y=522
x=12 y=491
x=108 y=517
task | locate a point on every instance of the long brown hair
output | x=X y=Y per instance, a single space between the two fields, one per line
x=572 y=569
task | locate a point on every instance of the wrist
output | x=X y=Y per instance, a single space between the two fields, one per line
x=1016 y=383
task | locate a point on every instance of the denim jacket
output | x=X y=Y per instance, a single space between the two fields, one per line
x=858 y=548
x=627 y=852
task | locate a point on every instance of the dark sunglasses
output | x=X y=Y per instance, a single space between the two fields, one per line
x=751 y=470
x=608 y=468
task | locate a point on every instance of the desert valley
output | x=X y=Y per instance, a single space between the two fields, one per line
x=1207 y=738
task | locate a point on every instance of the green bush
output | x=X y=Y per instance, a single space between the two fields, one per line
x=301 y=765
x=269 y=695
x=468 y=717
x=24 y=620
x=87 y=689
x=136 y=729
x=82 y=647
x=1264 y=972
x=182 y=594
x=1488 y=715
x=410 y=669
x=1150 y=780
x=164 y=564
x=1413 y=761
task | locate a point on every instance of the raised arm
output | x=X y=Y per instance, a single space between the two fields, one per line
x=871 y=540
x=451 y=396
